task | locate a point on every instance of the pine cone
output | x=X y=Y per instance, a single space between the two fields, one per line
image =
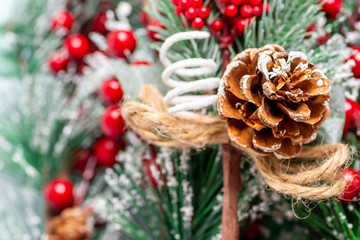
x=71 y=224
x=273 y=101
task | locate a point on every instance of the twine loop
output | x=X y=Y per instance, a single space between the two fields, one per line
x=314 y=175
x=184 y=105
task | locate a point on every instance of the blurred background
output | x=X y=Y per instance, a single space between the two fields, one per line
x=5 y=11
x=68 y=69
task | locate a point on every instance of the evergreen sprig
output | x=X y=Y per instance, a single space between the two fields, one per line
x=186 y=207
x=285 y=24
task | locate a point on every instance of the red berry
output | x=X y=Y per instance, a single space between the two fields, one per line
x=311 y=28
x=198 y=23
x=152 y=33
x=240 y=25
x=175 y=2
x=184 y=4
x=231 y=11
x=204 y=12
x=111 y=91
x=225 y=1
x=59 y=61
x=106 y=150
x=121 y=43
x=196 y=3
x=355 y=56
x=59 y=194
x=140 y=62
x=217 y=25
x=77 y=45
x=255 y=2
x=99 y=23
x=323 y=39
x=332 y=8
x=178 y=11
x=191 y=13
x=257 y=11
x=81 y=158
x=352 y=115
x=112 y=123
x=64 y=20
x=246 y=11
x=236 y=2
x=352 y=189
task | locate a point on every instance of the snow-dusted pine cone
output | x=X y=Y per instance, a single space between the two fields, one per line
x=273 y=101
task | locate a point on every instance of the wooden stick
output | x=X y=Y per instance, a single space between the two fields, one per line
x=232 y=188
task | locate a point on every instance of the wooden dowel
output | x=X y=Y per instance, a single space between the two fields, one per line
x=232 y=188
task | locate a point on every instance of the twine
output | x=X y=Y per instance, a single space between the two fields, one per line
x=149 y=119
x=314 y=175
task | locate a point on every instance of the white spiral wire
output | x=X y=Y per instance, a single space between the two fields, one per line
x=186 y=104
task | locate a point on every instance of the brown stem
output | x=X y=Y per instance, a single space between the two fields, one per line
x=225 y=44
x=220 y=6
x=353 y=18
x=152 y=152
x=214 y=33
x=226 y=58
x=232 y=188
x=87 y=175
x=356 y=11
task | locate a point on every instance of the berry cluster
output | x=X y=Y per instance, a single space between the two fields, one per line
x=59 y=192
x=194 y=11
x=235 y=13
x=76 y=46
x=234 y=17
x=239 y=13
x=112 y=124
x=107 y=147
x=120 y=43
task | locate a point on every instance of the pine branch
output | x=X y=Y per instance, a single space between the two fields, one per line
x=285 y=24
x=184 y=205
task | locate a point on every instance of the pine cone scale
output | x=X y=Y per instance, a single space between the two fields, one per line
x=265 y=141
x=249 y=85
x=240 y=133
x=317 y=112
x=229 y=77
x=299 y=113
x=271 y=93
x=227 y=105
x=268 y=114
x=286 y=129
x=287 y=149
